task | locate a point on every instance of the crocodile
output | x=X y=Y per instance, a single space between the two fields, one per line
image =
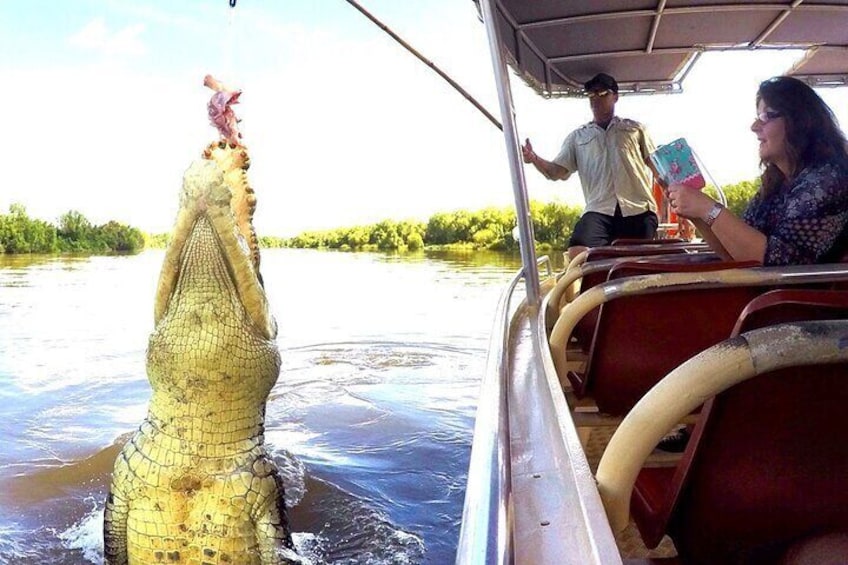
x=195 y=483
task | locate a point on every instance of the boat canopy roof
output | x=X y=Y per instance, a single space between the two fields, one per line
x=650 y=45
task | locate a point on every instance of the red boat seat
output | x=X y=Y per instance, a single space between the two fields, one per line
x=662 y=241
x=584 y=332
x=766 y=465
x=648 y=247
x=599 y=259
x=638 y=339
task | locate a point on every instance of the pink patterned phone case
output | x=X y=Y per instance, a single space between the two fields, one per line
x=676 y=164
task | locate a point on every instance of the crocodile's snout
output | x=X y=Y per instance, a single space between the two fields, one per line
x=216 y=188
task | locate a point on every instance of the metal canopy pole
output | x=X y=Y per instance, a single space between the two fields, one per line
x=516 y=165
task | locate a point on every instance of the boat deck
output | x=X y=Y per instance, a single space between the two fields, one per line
x=552 y=518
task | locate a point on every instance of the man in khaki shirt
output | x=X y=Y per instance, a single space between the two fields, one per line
x=612 y=155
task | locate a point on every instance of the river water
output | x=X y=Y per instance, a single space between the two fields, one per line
x=371 y=419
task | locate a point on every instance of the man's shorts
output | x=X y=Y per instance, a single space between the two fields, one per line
x=595 y=230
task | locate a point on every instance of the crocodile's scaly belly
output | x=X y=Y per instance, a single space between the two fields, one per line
x=192 y=508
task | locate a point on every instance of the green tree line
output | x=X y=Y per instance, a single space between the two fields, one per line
x=489 y=228
x=75 y=233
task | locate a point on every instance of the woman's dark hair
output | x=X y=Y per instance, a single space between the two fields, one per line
x=812 y=132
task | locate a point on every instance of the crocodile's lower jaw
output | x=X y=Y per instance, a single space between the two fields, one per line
x=216 y=187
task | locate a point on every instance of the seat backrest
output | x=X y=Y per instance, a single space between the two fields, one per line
x=695 y=263
x=792 y=305
x=639 y=339
x=597 y=254
x=663 y=241
x=585 y=329
x=613 y=251
x=767 y=461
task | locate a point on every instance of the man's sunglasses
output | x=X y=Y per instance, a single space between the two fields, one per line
x=598 y=93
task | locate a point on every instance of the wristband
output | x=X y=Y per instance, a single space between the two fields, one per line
x=714 y=212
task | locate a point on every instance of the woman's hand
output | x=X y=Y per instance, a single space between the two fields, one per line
x=689 y=202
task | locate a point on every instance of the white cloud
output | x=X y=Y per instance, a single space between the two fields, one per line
x=187 y=17
x=96 y=37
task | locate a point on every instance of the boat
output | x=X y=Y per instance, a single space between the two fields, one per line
x=563 y=467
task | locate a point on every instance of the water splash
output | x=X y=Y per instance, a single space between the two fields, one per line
x=86 y=535
x=86 y=538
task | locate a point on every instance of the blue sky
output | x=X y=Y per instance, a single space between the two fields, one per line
x=105 y=109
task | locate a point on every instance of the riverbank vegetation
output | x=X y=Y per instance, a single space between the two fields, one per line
x=75 y=234
x=490 y=228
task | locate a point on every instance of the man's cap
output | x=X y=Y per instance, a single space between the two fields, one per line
x=601 y=81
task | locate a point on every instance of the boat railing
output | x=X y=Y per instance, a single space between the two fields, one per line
x=485 y=536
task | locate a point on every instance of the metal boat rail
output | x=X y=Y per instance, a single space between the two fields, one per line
x=486 y=535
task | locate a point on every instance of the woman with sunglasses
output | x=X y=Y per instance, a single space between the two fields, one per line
x=800 y=214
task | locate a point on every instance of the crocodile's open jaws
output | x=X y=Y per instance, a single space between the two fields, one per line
x=195 y=484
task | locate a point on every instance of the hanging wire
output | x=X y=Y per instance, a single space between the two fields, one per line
x=228 y=46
